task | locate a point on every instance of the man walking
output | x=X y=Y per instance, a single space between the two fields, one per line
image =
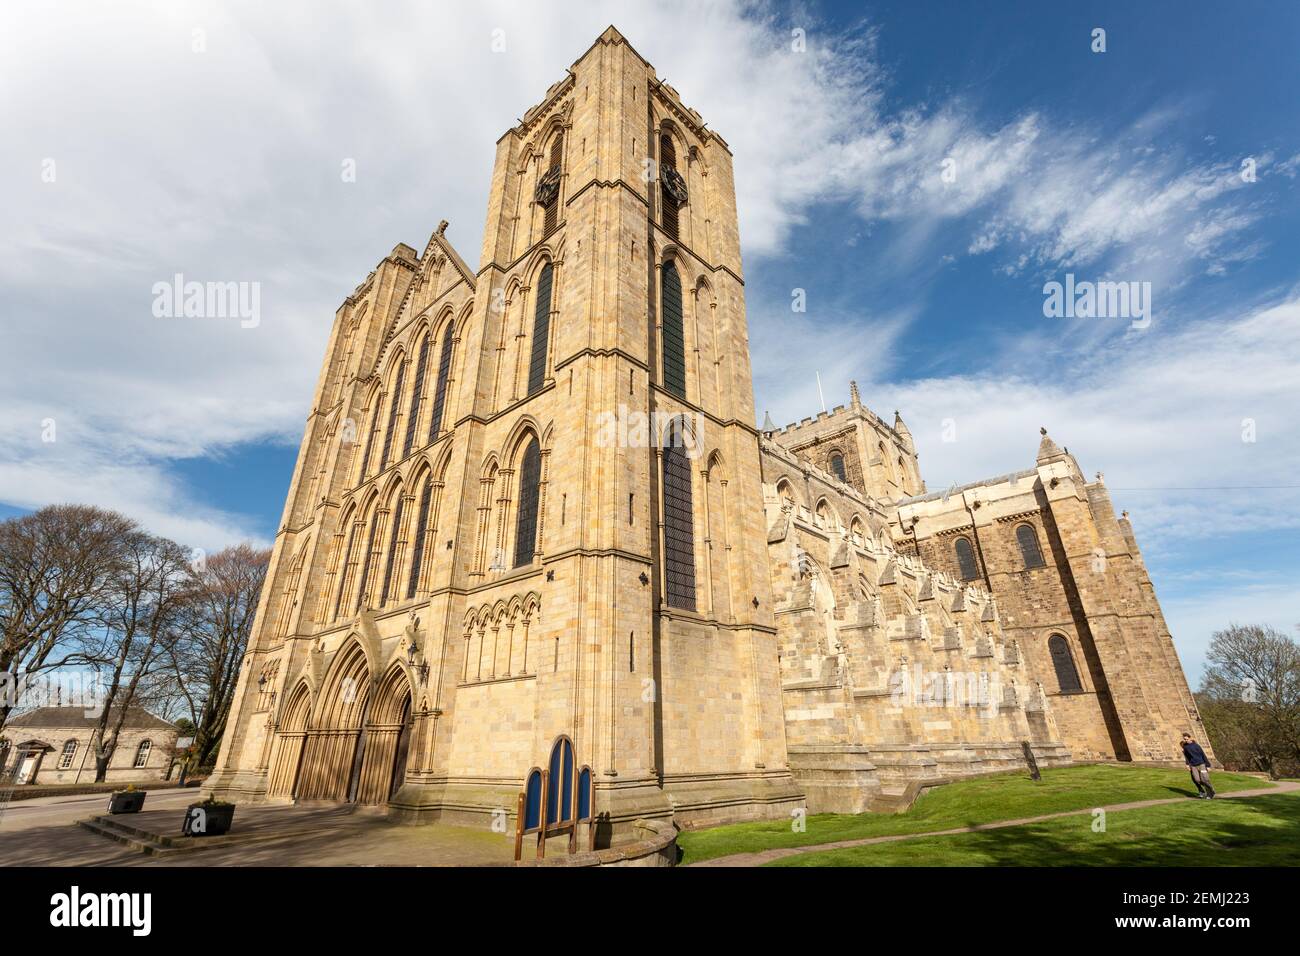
x=1199 y=765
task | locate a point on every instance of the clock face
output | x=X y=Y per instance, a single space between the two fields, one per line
x=548 y=187
x=674 y=184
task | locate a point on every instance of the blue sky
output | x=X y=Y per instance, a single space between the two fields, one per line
x=223 y=163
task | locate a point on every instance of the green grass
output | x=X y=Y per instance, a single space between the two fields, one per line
x=968 y=802
x=1251 y=831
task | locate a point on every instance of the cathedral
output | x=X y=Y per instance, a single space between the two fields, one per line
x=532 y=503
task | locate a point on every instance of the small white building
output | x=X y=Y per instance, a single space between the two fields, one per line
x=54 y=745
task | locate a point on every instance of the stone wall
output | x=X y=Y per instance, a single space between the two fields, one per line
x=891 y=670
x=1091 y=589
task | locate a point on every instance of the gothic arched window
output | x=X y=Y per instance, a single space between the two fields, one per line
x=679 y=520
x=530 y=476
x=392 y=413
x=837 y=467
x=1067 y=675
x=674 y=345
x=392 y=550
x=418 y=542
x=69 y=751
x=668 y=169
x=440 y=393
x=1030 y=553
x=541 y=331
x=855 y=529
x=142 y=753
x=417 y=395
x=966 y=559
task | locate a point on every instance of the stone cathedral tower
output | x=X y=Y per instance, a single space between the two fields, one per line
x=528 y=502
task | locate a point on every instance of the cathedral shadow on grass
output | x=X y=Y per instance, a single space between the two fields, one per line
x=1256 y=831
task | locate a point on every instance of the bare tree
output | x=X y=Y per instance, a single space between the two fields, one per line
x=54 y=572
x=1250 y=699
x=204 y=663
x=150 y=589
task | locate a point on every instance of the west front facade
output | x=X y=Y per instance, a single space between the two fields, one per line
x=531 y=502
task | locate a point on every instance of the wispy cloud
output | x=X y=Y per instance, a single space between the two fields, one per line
x=1202 y=407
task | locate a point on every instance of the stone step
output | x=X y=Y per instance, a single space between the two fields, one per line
x=107 y=828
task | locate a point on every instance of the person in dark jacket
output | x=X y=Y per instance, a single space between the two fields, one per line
x=1199 y=765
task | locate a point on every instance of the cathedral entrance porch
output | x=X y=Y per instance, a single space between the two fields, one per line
x=352 y=746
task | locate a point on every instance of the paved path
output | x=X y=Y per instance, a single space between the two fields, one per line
x=766 y=856
x=43 y=832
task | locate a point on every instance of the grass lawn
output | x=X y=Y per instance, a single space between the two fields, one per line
x=968 y=802
x=1252 y=831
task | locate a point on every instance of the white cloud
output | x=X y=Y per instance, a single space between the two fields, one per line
x=1194 y=618
x=225 y=165
x=136 y=487
x=1152 y=215
x=1157 y=412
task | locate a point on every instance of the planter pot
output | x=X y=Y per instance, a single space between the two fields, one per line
x=203 y=819
x=126 y=801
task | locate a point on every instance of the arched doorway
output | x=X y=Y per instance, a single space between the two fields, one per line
x=403 y=750
x=287 y=760
x=385 y=741
x=335 y=745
